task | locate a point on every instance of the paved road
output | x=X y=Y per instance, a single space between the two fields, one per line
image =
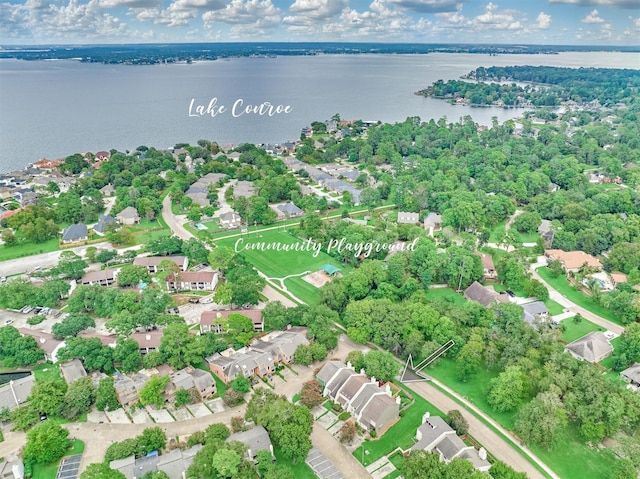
x=555 y=295
x=337 y=454
x=172 y=222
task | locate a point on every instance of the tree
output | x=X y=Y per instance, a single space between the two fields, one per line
x=500 y=470
x=507 y=391
x=232 y=397
x=381 y=365
x=165 y=245
x=47 y=442
x=151 y=393
x=240 y=384
x=101 y=470
x=127 y=354
x=456 y=420
x=78 y=399
x=70 y=266
x=47 y=396
x=541 y=420
x=469 y=358
x=93 y=354
x=318 y=351
x=240 y=328
x=17 y=350
x=106 y=396
x=195 y=250
x=132 y=275
x=356 y=358
x=311 y=394
x=151 y=439
x=302 y=355
x=178 y=347
x=72 y=325
x=216 y=432
x=348 y=432
x=24 y=417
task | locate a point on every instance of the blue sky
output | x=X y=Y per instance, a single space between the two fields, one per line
x=571 y=22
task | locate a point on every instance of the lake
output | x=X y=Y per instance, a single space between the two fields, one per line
x=56 y=108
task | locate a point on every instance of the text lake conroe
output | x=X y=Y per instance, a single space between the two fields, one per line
x=238 y=109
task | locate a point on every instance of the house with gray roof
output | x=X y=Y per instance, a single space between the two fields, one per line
x=545 y=230
x=483 y=295
x=244 y=189
x=436 y=436
x=288 y=210
x=72 y=370
x=74 y=233
x=433 y=223
x=632 y=375
x=127 y=388
x=128 y=216
x=101 y=226
x=108 y=190
x=230 y=220
x=592 y=347
x=256 y=439
x=371 y=405
x=536 y=314
x=14 y=393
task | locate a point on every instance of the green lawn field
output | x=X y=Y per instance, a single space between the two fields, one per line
x=28 y=249
x=577 y=330
x=562 y=285
x=49 y=471
x=279 y=264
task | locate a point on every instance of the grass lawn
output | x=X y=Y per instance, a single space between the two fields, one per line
x=496 y=231
x=608 y=362
x=401 y=434
x=575 y=331
x=46 y=371
x=448 y=294
x=562 y=285
x=19 y=251
x=553 y=307
x=300 y=469
x=49 y=471
x=572 y=459
x=475 y=389
x=531 y=237
x=278 y=264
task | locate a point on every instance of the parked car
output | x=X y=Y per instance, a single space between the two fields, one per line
x=176 y=310
x=194 y=300
x=206 y=300
x=3 y=279
x=43 y=416
x=8 y=321
x=27 y=309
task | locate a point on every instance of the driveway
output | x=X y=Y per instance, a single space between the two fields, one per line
x=172 y=222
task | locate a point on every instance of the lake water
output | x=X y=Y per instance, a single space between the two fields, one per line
x=55 y=108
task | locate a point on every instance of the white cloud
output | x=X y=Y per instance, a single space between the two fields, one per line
x=250 y=17
x=593 y=17
x=602 y=3
x=129 y=3
x=543 y=22
x=310 y=12
x=429 y=6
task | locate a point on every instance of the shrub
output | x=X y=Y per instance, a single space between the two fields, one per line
x=232 y=398
x=37 y=319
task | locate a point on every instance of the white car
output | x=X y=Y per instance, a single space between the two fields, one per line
x=8 y=321
x=3 y=279
x=206 y=300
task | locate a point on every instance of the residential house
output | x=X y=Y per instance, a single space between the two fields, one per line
x=545 y=230
x=105 y=277
x=256 y=439
x=45 y=164
x=433 y=223
x=483 y=295
x=230 y=220
x=46 y=342
x=260 y=357
x=106 y=339
x=74 y=233
x=632 y=375
x=192 y=281
x=288 y=210
x=535 y=314
x=592 y=347
x=101 y=226
x=487 y=265
x=152 y=263
x=127 y=388
x=108 y=190
x=572 y=261
x=174 y=463
x=102 y=156
x=15 y=392
x=405 y=218
x=12 y=469
x=435 y=436
x=214 y=321
x=244 y=189
x=190 y=379
x=371 y=405
x=128 y=216
x=617 y=278
x=72 y=370
x=148 y=341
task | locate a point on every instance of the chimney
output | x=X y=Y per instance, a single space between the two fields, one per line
x=373 y=379
x=398 y=400
x=148 y=337
x=218 y=315
x=482 y=453
x=362 y=371
x=425 y=416
x=387 y=389
x=349 y=365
